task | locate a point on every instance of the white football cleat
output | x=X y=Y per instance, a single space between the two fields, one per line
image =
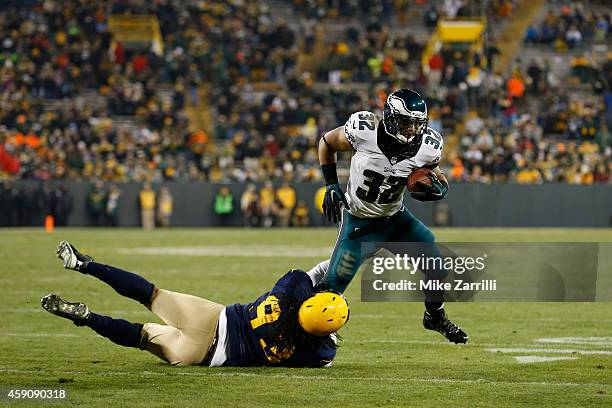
x=72 y=258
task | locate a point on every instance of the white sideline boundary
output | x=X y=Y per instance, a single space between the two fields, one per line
x=210 y=372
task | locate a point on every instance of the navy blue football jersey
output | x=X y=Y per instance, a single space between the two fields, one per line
x=255 y=335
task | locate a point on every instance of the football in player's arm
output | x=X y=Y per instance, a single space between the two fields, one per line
x=291 y=325
x=385 y=152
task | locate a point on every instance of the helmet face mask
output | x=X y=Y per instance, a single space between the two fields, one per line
x=409 y=127
x=405 y=115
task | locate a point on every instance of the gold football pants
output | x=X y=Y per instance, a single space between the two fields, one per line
x=190 y=329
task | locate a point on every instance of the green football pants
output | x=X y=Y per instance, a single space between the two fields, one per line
x=403 y=226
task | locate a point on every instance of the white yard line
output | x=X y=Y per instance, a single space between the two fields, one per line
x=210 y=372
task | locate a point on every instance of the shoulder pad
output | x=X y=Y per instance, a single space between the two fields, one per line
x=434 y=138
x=432 y=144
x=360 y=127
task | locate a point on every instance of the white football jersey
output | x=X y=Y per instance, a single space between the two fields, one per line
x=376 y=183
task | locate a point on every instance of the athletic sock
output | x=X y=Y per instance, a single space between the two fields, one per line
x=435 y=308
x=118 y=331
x=127 y=284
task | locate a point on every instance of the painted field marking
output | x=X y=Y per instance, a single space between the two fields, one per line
x=591 y=341
x=538 y=359
x=587 y=343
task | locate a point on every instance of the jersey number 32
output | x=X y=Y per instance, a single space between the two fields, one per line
x=374 y=181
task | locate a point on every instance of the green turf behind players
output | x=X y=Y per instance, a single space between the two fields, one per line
x=387 y=358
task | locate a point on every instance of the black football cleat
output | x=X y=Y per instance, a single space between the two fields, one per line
x=72 y=258
x=77 y=312
x=439 y=322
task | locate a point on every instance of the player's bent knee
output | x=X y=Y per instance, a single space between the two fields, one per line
x=161 y=341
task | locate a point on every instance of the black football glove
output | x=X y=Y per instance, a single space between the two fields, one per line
x=434 y=192
x=334 y=196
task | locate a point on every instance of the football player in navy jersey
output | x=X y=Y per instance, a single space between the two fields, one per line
x=291 y=325
x=385 y=151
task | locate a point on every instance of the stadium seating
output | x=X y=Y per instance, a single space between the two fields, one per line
x=242 y=92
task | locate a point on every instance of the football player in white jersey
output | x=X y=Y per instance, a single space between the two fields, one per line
x=385 y=151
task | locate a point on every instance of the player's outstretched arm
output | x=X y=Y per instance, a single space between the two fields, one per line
x=435 y=191
x=332 y=142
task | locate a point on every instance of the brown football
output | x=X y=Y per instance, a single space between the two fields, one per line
x=421 y=174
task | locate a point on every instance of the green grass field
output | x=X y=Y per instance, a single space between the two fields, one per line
x=386 y=358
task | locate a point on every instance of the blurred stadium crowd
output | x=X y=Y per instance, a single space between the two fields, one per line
x=74 y=104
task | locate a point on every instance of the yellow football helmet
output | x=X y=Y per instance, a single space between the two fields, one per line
x=323 y=313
